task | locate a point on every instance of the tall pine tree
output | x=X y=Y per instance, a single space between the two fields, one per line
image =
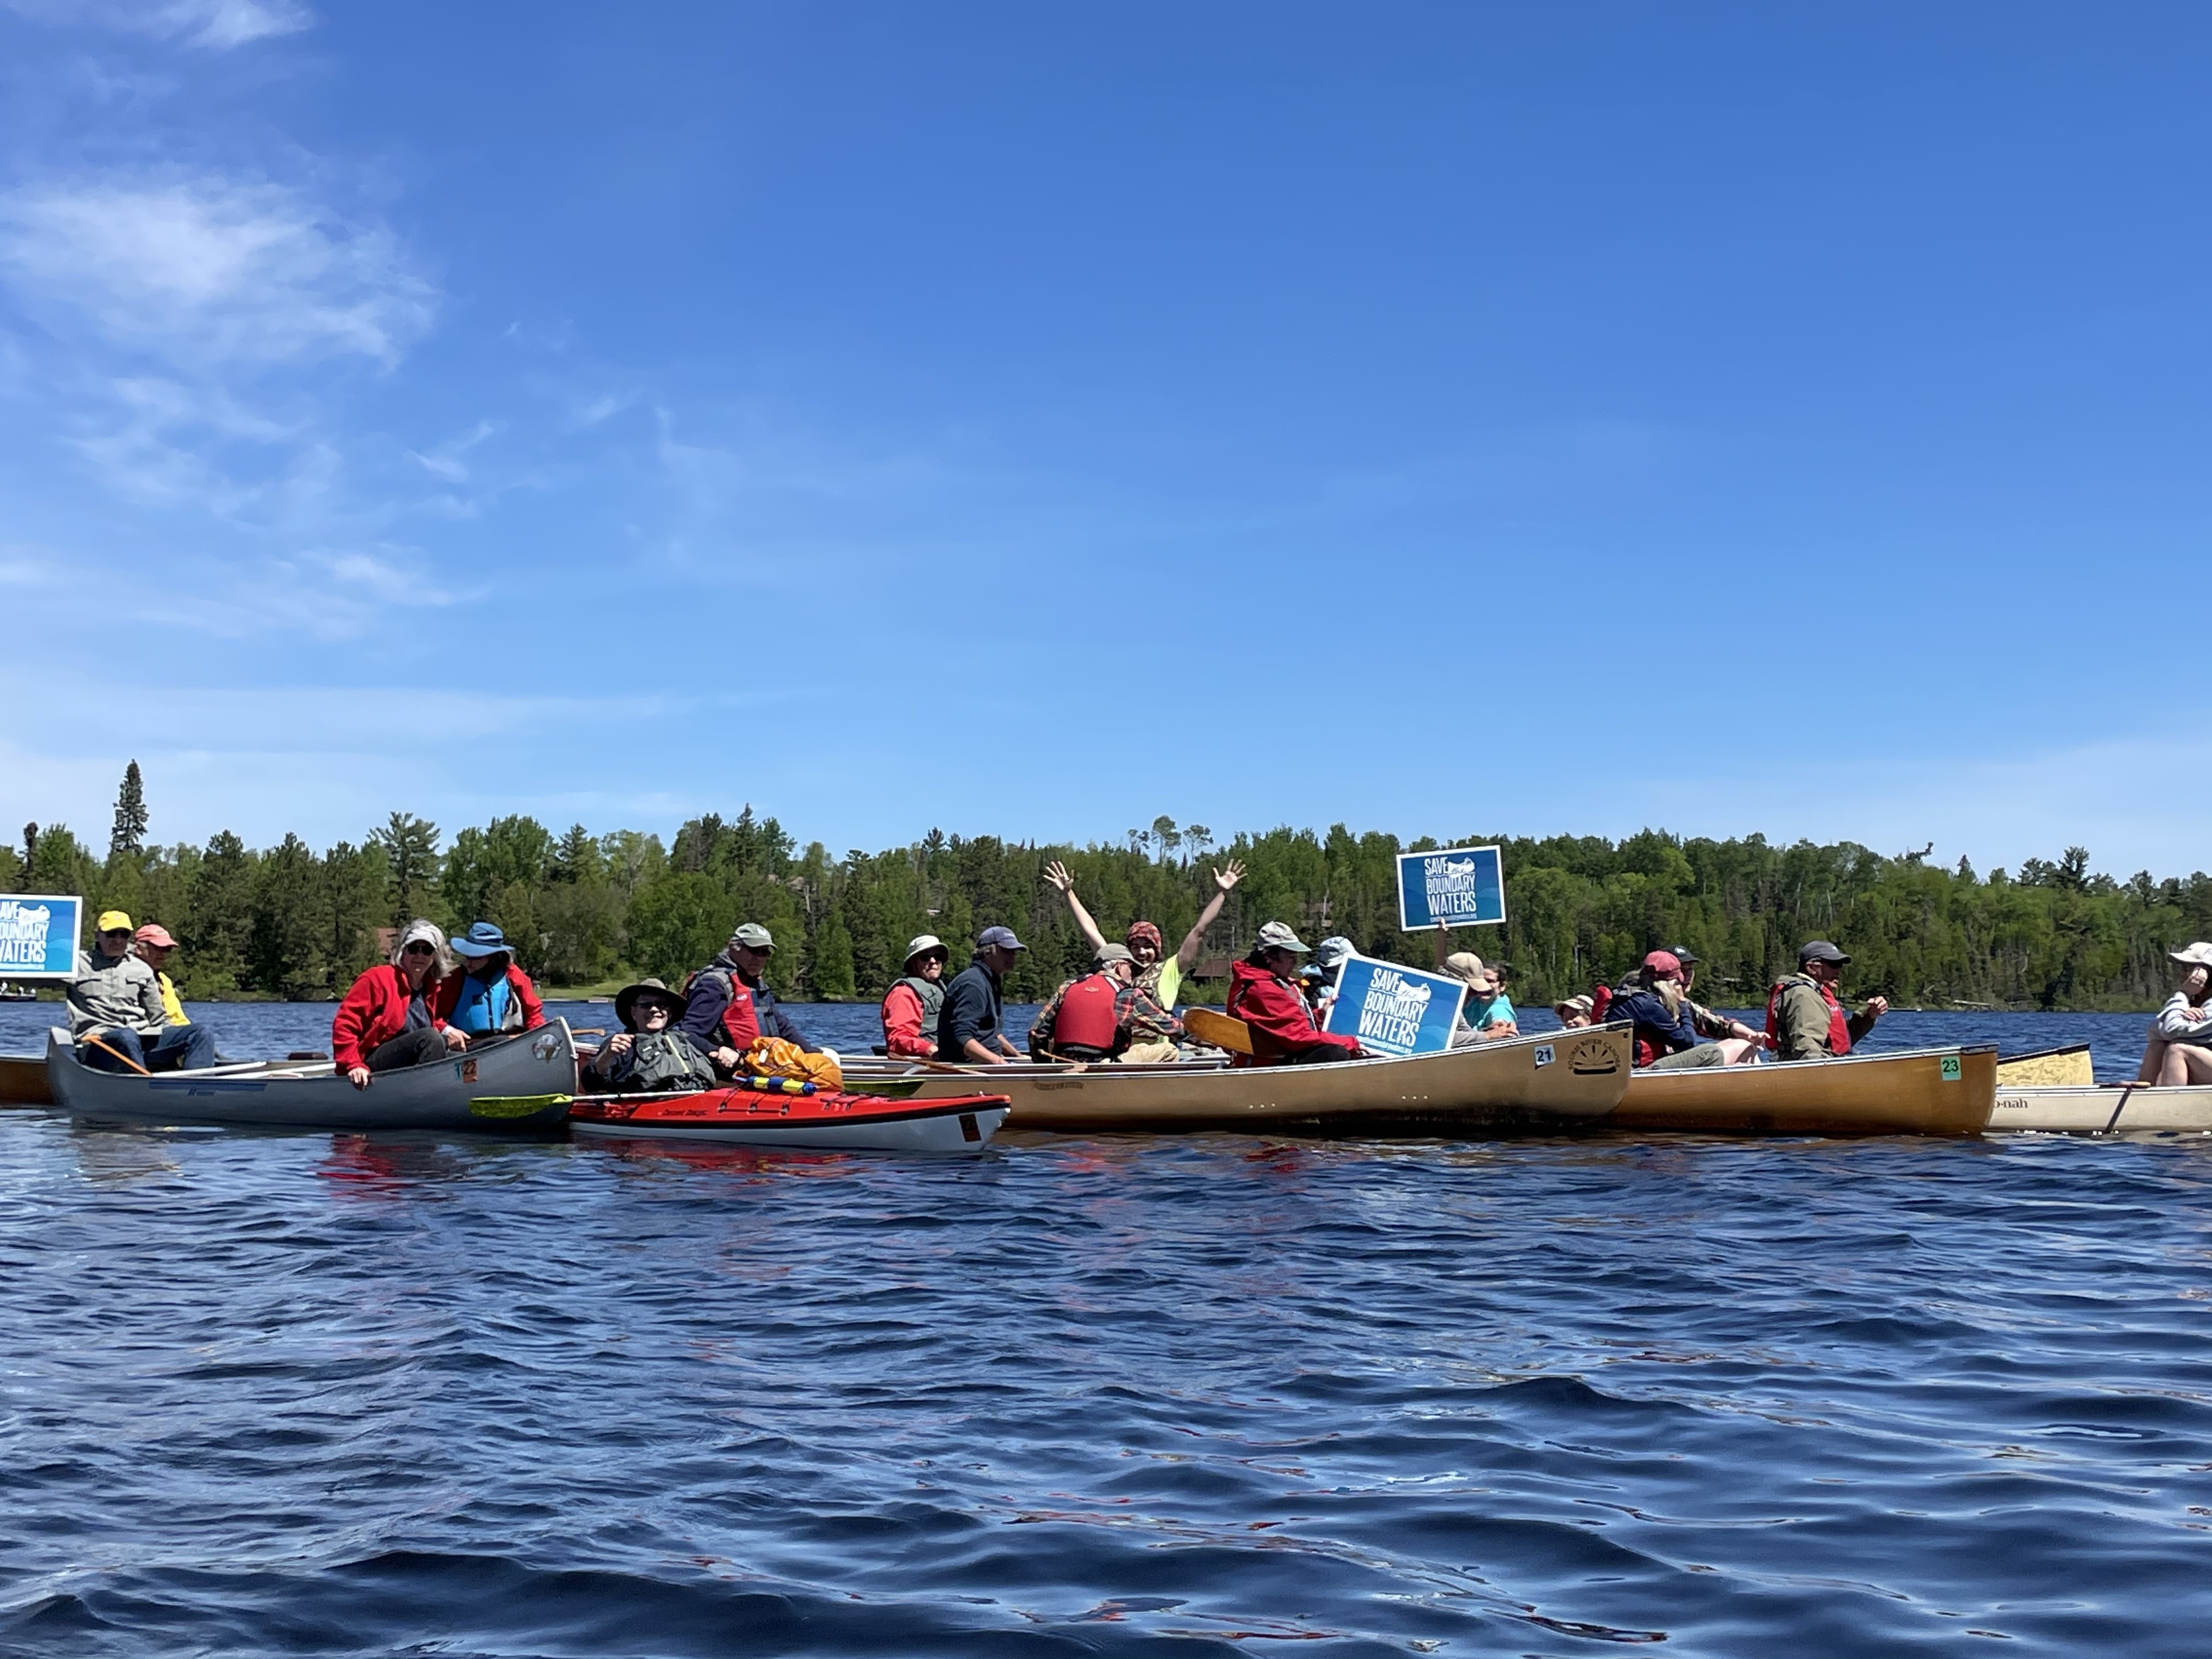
x=128 y=838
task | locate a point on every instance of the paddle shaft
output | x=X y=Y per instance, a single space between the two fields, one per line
x=117 y=1054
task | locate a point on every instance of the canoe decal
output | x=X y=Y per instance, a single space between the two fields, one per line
x=1593 y=1058
x=468 y=1070
x=1544 y=1054
x=1950 y=1068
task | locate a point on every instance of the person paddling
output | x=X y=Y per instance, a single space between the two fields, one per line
x=386 y=1022
x=1805 y=1017
x=1161 y=976
x=911 y=1007
x=116 y=1016
x=493 y=997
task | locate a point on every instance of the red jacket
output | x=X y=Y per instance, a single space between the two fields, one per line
x=902 y=1032
x=373 y=1012
x=1277 y=1014
x=522 y=995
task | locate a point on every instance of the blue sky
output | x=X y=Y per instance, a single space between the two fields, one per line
x=1029 y=421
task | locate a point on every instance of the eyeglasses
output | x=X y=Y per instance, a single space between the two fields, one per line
x=419 y=949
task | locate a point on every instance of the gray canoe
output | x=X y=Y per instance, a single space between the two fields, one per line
x=517 y=1083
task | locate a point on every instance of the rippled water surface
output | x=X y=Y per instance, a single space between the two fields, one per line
x=308 y=1393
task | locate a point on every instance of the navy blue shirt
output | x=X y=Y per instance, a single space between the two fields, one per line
x=970 y=1011
x=1649 y=1010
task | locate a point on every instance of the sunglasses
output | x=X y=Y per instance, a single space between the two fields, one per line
x=117 y=932
x=420 y=950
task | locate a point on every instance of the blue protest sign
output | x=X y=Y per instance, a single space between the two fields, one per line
x=1393 y=1010
x=1457 y=887
x=38 y=935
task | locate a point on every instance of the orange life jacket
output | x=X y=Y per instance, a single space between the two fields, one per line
x=1086 y=1015
x=1839 y=1024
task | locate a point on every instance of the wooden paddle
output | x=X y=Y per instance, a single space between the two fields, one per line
x=117 y=1054
x=1219 y=1030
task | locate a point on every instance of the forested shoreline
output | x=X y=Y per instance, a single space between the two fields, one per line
x=590 y=910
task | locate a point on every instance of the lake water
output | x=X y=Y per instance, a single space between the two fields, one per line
x=347 y=1395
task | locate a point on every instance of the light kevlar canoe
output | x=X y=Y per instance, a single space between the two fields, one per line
x=2048 y=1069
x=1928 y=1092
x=519 y=1082
x=1563 y=1076
x=2113 y=1108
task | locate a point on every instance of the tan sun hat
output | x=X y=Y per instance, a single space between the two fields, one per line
x=2198 y=955
x=1110 y=953
x=1278 y=936
x=1468 y=966
x=923 y=945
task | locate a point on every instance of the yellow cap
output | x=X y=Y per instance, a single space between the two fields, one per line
x=111 y=921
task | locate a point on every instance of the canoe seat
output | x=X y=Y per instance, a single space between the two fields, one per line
x=1219 y=1029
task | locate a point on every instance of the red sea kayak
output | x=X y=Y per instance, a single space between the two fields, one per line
x=764 y=1117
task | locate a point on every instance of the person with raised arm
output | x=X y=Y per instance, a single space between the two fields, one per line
x=1160 y=975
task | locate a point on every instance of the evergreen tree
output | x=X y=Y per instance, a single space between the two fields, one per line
x=219 y=917
x=128 y=838
x=410 y=846
x=289 y=953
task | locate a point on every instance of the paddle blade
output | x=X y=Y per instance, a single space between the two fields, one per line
x=1219 y=1030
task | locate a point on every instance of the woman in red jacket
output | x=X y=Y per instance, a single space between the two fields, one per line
x=494 y=997
x=386 y=1021
x=1263 y=992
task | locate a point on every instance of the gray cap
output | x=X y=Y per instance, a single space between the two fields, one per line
x=1334 y=950
x=753 y=934
x=1109 y=953
x=1820 y=951
x=1278 y=936
x=1002 y=936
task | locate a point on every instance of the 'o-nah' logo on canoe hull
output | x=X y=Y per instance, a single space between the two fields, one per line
x=1592 y=1058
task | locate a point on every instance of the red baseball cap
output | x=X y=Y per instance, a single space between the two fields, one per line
x=1664 y=964
x=154 y=934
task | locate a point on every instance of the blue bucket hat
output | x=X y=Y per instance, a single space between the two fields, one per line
x=482 y=940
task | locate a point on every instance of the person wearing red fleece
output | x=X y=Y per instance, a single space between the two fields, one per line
x=1263 y=992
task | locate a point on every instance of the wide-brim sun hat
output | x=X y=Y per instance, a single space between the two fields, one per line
x=482 y=940
x=626 y=999
x=1334 y=950
x=2198 y=955
x=924 y=944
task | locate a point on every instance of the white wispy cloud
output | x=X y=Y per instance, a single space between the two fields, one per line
x=214 y=24
x=210 y=269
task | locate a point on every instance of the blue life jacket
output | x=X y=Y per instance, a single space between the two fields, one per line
x=482 y=1007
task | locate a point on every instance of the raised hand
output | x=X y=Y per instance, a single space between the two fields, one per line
x=1056 y=875
x=1225 y=879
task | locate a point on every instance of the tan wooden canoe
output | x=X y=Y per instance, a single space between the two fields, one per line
x=2066 y=1067
x=1523 y=1081
x=2113 y=1108
x=1926 y=1091
x=23 y=1081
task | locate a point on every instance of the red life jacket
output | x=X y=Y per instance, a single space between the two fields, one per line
x=1839 y=1024
x=740 y=1026
x=1086 y=1015
x=1600 y=1000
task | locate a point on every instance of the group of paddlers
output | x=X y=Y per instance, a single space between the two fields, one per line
x=435 y=996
